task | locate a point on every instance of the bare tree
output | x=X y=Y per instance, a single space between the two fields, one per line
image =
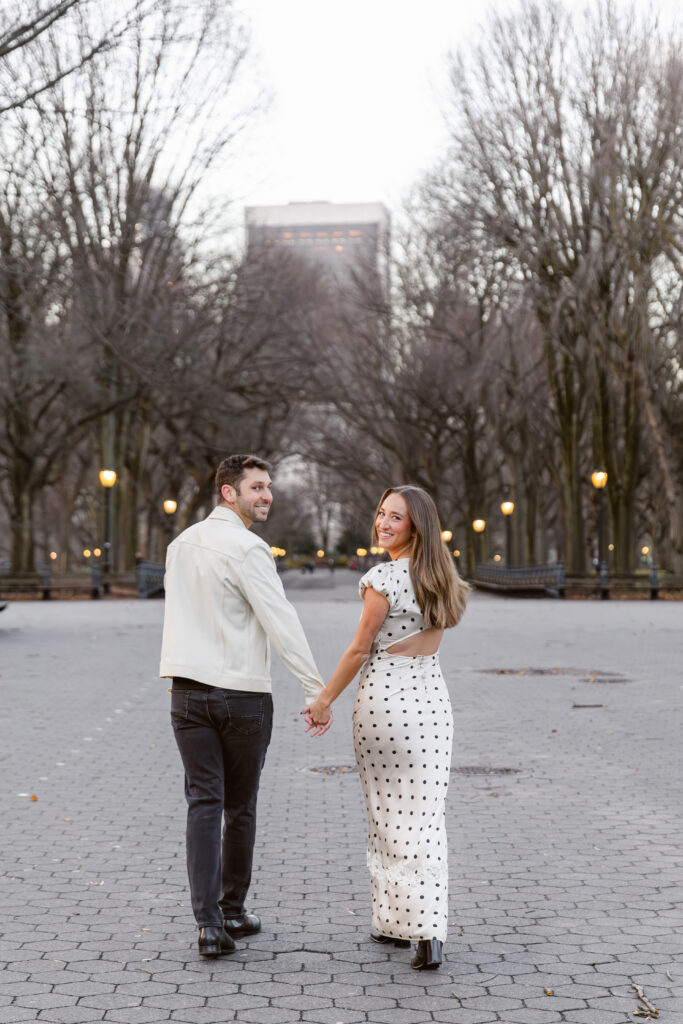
x=128 y=146
x=42 y=411
x=568 y=159
x=24 y=28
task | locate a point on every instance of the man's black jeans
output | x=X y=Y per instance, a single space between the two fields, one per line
x=223 y=736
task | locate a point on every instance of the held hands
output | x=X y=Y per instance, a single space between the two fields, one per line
x=318 y=718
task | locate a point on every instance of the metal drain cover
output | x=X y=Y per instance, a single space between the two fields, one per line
x=588 y=675
x=605 y=677
x=522 y=671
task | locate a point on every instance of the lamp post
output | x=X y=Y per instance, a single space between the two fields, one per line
x=507 y=508
x=599 y=481
x=107 y=479
x=170 y=507
x=478 y=525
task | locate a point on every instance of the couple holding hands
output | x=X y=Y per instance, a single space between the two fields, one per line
x=224 y=602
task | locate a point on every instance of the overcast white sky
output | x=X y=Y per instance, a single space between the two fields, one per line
x=356 y=90
x=355 y=86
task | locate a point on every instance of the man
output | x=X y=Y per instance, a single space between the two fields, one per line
x=224 y=600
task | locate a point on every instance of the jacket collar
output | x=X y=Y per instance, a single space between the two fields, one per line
x=227 y=514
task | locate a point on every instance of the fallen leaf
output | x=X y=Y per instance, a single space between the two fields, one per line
x=548 y=991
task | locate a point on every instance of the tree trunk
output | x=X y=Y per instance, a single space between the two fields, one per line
x=672 y=482
x=564 y=387
x=22 y=530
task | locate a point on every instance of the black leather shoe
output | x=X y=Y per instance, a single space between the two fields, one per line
x=215 y=942
x=428 y=955
x=401 y=943
x=245 y=924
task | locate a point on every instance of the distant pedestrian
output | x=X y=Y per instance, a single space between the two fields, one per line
x=402 y=721
x=224 y=600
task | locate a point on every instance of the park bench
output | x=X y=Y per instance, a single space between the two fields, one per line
x=650 y=584
x=150 y=578
x=146 y=580
x=46 y=584
x=548 y=579
x=551 y=579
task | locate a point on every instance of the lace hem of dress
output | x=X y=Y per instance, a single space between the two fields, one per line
x=404 y=875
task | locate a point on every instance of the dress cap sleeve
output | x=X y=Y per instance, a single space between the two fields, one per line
x=378 y=578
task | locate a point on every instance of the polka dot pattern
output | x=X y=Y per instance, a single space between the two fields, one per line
x=404 y=619
x=403 y=733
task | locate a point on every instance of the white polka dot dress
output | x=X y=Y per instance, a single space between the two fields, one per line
x=403 y=732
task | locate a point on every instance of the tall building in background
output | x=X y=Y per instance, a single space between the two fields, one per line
x=338 y=236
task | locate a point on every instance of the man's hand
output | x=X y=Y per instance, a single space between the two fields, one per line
x=318 y=718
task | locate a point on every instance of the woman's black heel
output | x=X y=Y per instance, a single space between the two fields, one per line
x=428 y=955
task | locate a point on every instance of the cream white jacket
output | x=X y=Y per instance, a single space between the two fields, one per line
x=224 y=599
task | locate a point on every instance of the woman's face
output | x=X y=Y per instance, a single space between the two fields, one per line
x=393 y=525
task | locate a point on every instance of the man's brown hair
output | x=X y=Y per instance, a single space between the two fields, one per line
x=232 y=470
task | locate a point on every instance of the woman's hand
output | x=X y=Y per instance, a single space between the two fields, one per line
x=318 y=717
x=318 y=714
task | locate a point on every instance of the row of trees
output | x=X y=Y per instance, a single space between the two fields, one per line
x=537 y=331
x=532 y=333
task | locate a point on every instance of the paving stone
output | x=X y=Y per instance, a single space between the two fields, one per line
x=175 y=1001
x=139 y=1015
x=270 y=1015
x=70 y=1015
x=110 y=1002
x=594 y=1017
x=363 y=1002
x=146 y=988
x=304 y=1002
x=9 y=1014
x=488 y=1002
x=46 y=1001
x=400 y=1016
x=202 y=1015
x=83 y=988
x=240 y=1001
x=463 y=1015
x=336 y=1015
x=271 y=988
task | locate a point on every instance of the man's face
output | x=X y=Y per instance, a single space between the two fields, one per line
x=253 y=499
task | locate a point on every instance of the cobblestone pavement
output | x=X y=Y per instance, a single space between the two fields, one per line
x=564 y=821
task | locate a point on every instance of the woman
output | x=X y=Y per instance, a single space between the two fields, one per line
x=402 y=721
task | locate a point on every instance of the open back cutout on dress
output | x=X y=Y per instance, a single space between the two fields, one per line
x=403 y=632
x=425 y=642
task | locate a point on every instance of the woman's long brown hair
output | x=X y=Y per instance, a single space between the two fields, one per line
x=439 y=590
